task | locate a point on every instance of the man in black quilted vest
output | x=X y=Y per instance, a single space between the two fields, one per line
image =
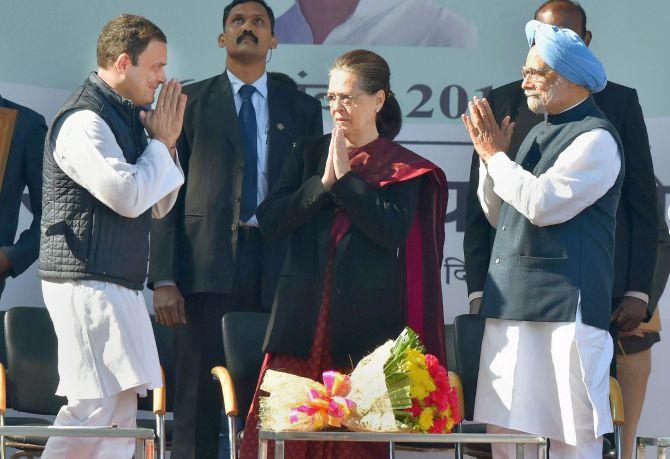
x=546 y=351
x=103 y=182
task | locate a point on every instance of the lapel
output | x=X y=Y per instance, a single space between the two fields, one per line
x=341 y=248
x=325 y=224
x=323 y=227
x=280 y=121
x=222 y=116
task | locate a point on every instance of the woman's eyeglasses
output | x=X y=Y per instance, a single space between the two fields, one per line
x=346 y=99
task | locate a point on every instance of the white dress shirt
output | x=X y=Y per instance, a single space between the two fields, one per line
x=385 y=23
x=260 y=101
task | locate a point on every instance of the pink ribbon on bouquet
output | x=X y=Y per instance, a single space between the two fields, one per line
x=327 y=403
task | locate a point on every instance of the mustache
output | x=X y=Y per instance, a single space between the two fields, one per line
x=247 y=33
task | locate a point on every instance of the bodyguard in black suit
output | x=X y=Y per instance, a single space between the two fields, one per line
x=24 y=168
x=238 y=129
x=637 y=221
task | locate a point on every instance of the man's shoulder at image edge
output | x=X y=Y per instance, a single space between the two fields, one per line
x=23 y=168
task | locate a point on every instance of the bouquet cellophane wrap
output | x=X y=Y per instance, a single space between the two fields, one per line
x=286 y=392
x=396 y=388
x=372 y=410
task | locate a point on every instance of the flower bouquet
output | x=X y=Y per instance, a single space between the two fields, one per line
x=398 y=387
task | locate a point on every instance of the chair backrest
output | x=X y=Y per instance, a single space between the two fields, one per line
x=451 y=347
x=3 y=348
x=468 y=334
x=243 y=334
x=163 y=337
x=32 y=361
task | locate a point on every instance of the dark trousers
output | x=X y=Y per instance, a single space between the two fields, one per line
x=198 y=347
x=614 y=333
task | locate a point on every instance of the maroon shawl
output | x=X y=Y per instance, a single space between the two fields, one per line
x=382 y=163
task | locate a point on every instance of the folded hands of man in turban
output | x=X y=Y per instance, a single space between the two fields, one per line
x=487 y=137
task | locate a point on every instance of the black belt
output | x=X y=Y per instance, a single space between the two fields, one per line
x=249 y=233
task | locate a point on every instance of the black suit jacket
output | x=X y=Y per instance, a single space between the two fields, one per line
x=366 y=295
x=195 y=243
x=637 y=221
x=24 y=168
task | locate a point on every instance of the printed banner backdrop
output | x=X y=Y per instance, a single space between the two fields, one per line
x=441 y=53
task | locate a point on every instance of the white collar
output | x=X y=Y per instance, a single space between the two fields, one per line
x=261 y=84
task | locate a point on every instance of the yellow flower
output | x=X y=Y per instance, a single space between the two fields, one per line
x=415 y=360
x=421 y=383
x=426 y=419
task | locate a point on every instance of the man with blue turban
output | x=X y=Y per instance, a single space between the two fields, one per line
x=546 y=350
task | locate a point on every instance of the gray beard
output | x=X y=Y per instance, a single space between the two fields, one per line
x=536 y=105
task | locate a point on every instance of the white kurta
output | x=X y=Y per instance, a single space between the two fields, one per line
x=549 y=379
x=105 y=340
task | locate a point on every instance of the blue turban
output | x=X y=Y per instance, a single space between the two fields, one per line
x=566 y=53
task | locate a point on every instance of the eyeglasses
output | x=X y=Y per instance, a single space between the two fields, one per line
x=346 y=99
x=533 y=72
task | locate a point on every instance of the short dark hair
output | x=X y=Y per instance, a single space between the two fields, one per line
x=234 y=3
x=373 y=74
x=571 y=4
x=129 y=34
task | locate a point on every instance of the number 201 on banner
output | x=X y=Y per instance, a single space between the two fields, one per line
x=453 y=100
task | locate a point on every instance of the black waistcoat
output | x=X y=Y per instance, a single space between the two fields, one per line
x=81 y=238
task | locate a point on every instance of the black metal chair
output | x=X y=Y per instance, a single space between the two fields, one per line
x=29 y=383
x=32 y=373
x=468 y=334
x=14 y=420
x=243 y=334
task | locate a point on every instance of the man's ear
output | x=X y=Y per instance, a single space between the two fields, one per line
x=273 y=42
x=221 y=40
x=587 y=37
x=122 y=63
